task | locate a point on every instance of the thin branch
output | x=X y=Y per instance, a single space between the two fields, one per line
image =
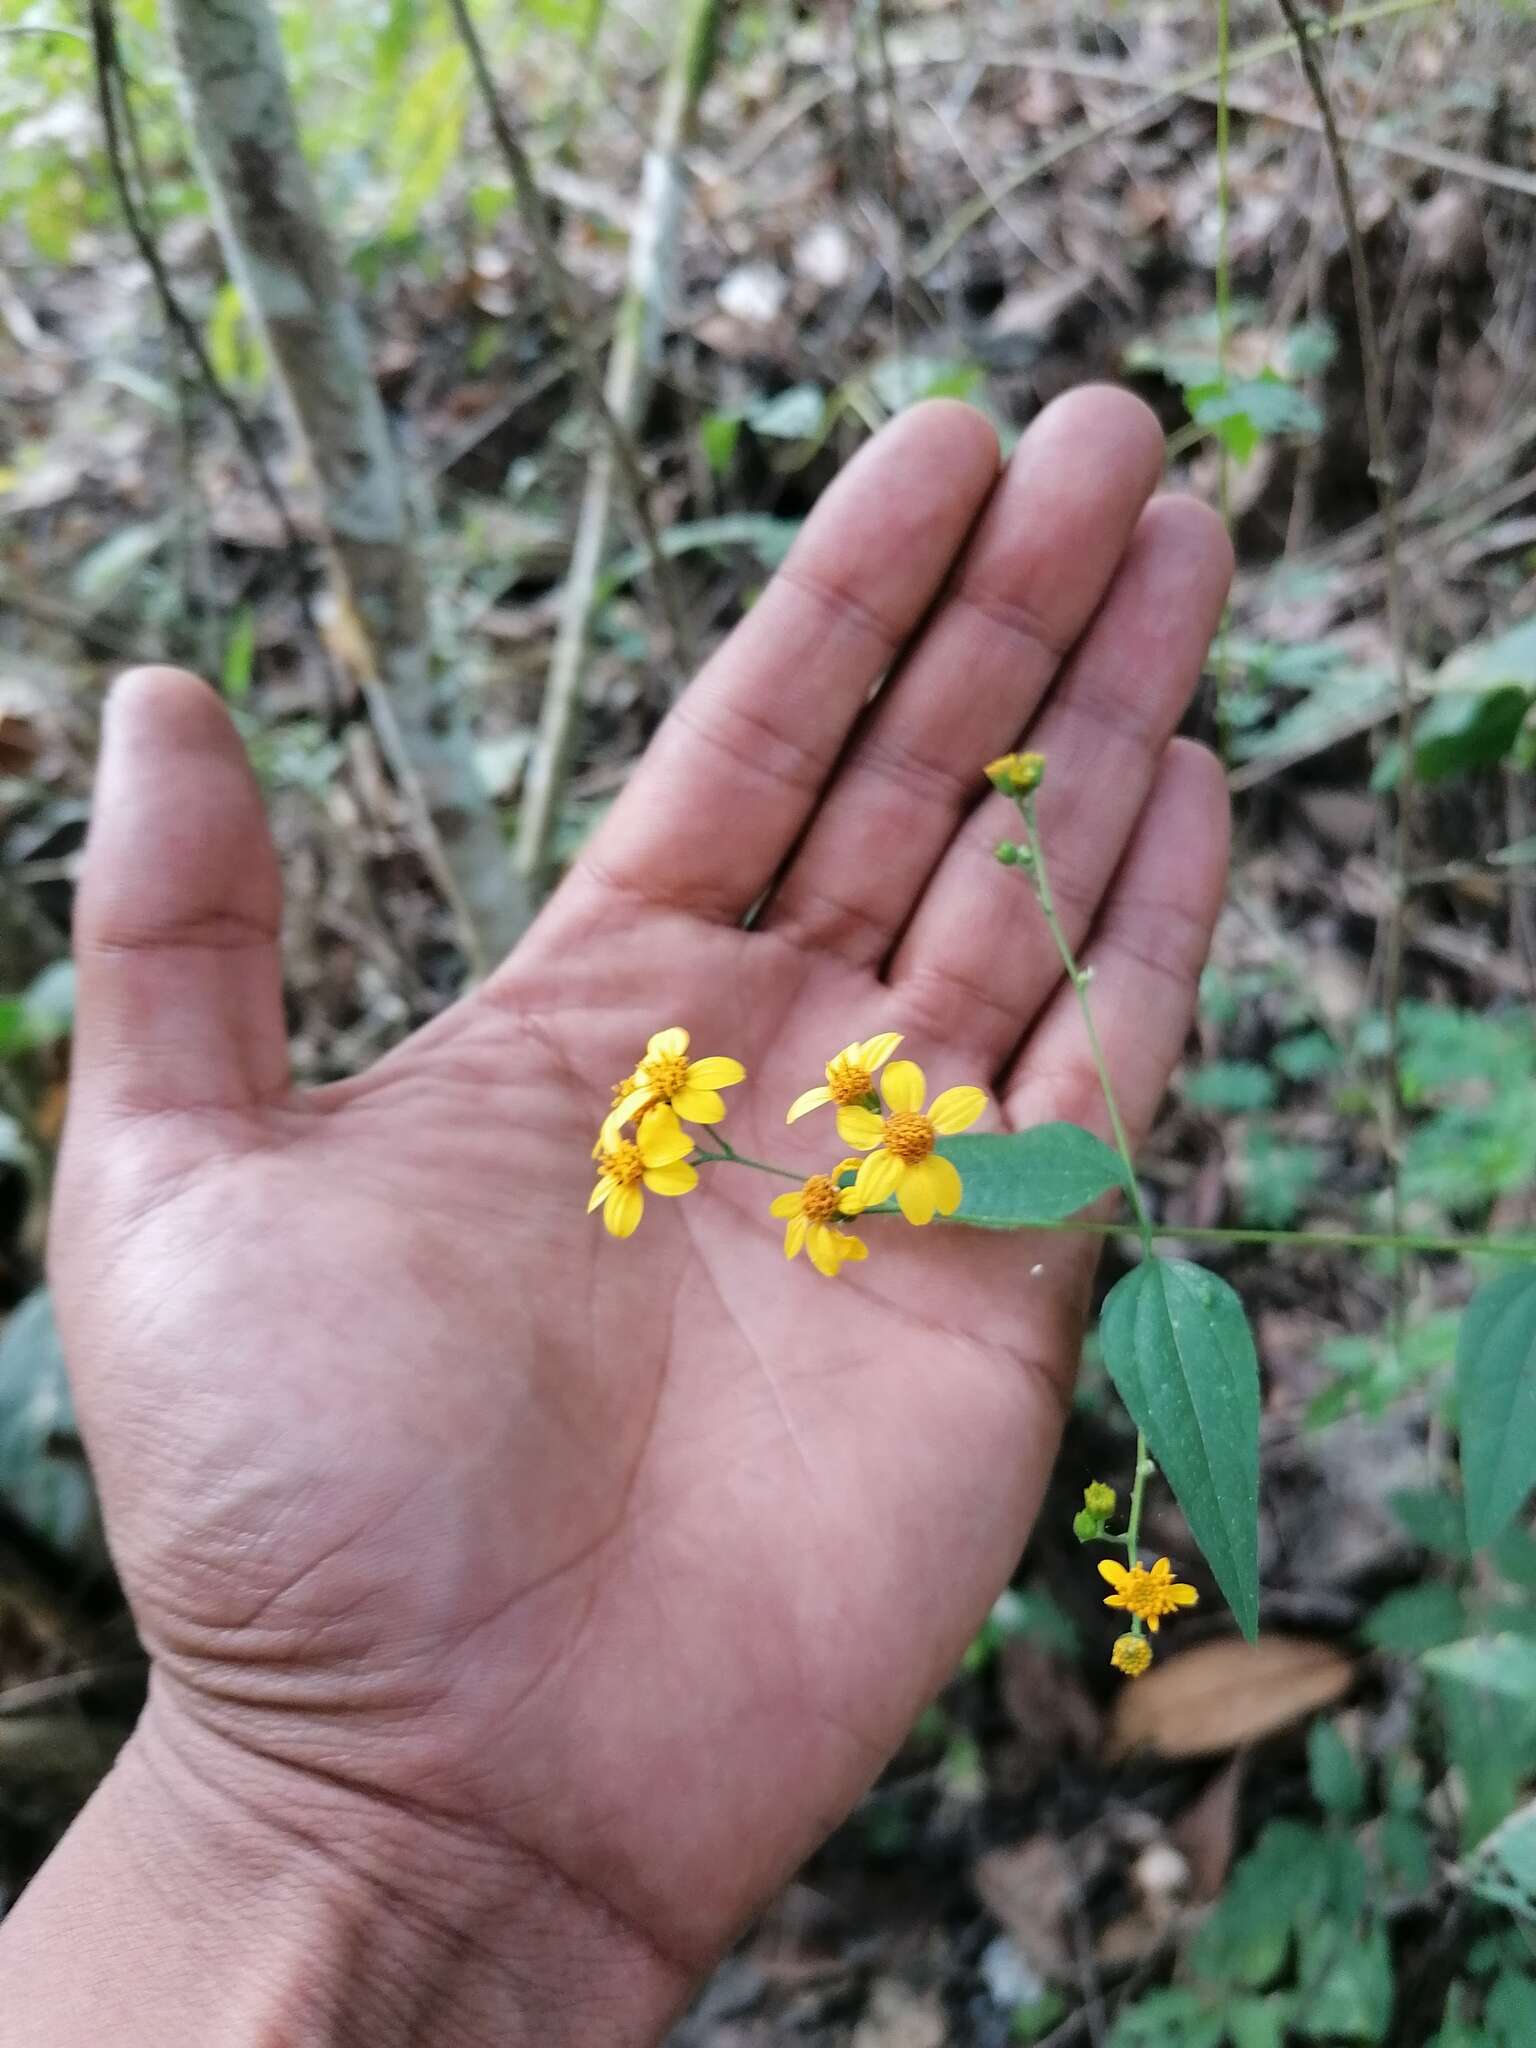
x=117 y=125
x=1373 y=383
x=561 y=297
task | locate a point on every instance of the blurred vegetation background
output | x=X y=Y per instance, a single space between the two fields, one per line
x=847 y=207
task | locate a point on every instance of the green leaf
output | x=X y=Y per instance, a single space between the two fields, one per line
x=768 y=538
x=1433 y=1519
x=792 y=415
x=901 y=381
x=1306 y=1057
x=1259 y=2022
x=1460 y=730
x=1246 y=411
x=1244 y=1942
x=1178 y=1347
x=1502 y=1666
x=1043 y=1175
x=1346 y=1984
x=1496 y=1402
x=1510 y=2013
x=240 y=656
x=718 y=434
x=1417 y=1619
x=1175 y=2018
x=1406 y=1852
x=43 y=1478
x=1231 y=1085
x=1503 y=1870
x=1338 y=1784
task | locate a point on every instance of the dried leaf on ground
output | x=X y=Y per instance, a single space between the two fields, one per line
x=899 y=2018
x=1223 y=1694
x=1029 y=1889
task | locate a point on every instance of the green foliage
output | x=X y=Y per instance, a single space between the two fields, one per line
x=43 y=1478
x=1242 y=412
x=1247 y=411
x=1234 y=1086
x=1472 y=1080
x=1486 y=1687
x=1496 y=1402
x=1338 y=1784
x=42 y=1015
x=1179 y=1350
x=1276 y=1180
x=1042 y=1175
x=1416 y=1619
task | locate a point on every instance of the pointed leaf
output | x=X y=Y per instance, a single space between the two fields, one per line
x=1178 y=1347
x=1496 y=1397
x=1041 y=1175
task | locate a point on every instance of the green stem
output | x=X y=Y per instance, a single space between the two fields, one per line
x=1144 y=1470
x=730 y=1158
x=1322 y=1240
x=1079 y=980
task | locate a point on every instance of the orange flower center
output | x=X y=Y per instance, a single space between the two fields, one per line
x=849 y=1083
x=666 y=1073
x=909 y=1136
x=622 y=1162
x=821 y=1197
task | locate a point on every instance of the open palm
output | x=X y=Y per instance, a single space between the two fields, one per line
x=637 y=1558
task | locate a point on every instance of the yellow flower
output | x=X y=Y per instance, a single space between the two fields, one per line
x=666 y=1075
x=655 y=1159
x=1131 y=1654
x=850 y=1077
x=1099 y=1499
x=1016 y=774
x=902 y=1161
x=809 y=1219
x=1149 y=1595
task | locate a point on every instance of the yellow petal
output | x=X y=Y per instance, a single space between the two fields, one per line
x=1118 y=1600
x=813 y=1098
x=716 y=1073
x=667 y=1044
x=821 y=1246
x=1185 y=1595
x=634 y=1102
x=623 y=1210
x=915 y=1194
x=662 y=1139
x=678 y=1179
x=699 y=1105
x=845 y=1166
x=601 y=1192
x=852 y=1247
x=1154 y=1622
x=794 y=1235
x=956 y=1109
x=786 y=1205
x=945 y=1182
x=848 y=1057
x=879 y=1177
x=860 y=1127
x=874 y=1052
x=1116 y=1574
x=848 y=1202
x=904 y=1085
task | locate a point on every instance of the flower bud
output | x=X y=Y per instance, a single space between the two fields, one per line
x=1008 y=854
x=1016 y=774
x=1131 y=1654
x=1086 y=1527
x=1099 y=1500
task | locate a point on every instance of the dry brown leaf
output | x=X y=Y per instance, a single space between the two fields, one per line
x=1205 y=1833
x=1028 y=1891
x=1222 y=1694
x=898 y=2018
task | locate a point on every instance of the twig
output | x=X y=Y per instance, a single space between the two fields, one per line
x=116 y=117
x=1374 y=393
x=1141 y=115
x=619 y=397
x=557 y=290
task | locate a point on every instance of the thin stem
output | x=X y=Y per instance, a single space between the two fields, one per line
x=1079 y=980
x=1223 y=331
x=1144 y=1470
x=557 y=290
x=1320 y=1240
x=1373 y=389
x=730 y=1158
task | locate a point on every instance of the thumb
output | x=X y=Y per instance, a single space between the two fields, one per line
x=176 y=927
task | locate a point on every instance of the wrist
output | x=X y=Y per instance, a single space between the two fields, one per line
x=207 y=1880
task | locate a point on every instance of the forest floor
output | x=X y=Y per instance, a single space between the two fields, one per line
x=998 y=202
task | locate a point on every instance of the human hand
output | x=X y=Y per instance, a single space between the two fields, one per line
x=473 y=1547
